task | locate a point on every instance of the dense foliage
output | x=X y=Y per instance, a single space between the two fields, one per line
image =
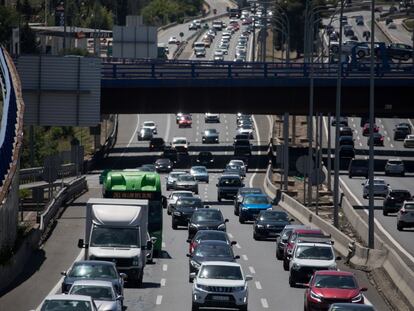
x=159 y=12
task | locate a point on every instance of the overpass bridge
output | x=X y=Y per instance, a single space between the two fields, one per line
x=261 y=88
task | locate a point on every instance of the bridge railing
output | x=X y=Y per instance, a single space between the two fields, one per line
x=184 y=69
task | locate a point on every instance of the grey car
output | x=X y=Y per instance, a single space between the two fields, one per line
x=102 y=292
x=200 y=173
x=186 y=182
x=93 y=270
x=145 y=133
x=172 y=178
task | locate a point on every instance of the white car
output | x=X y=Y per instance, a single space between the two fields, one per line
x=60 y=302
x=200 y=52
x=211 y=117
x=174 y=196
x=102 y=292
x=180 y=144
x=240 y=163
x=405 y=216
x=395 y=167
x=362 y=49
x=172 y=178
x=308 y=257
x=246 y=130
x=151 y=125
x=218 y=55
x=409 y=141
x=381 y=188
x=173 y=40
x=220 y=284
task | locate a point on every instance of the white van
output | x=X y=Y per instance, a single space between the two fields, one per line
x=199 y=45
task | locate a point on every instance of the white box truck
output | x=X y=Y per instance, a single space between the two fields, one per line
x=116 y=231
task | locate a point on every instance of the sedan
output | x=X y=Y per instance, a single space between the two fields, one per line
x=163 y=165
x=185 y=121
x=208 y=235
x=269 y=224
x=283 y=238
x=346 y=151
x=206 y=219
x=151 y=125
x=200 y=173
x=210 y=136
x=327 y=286
x=405 y=216
x=346 y=140
x=218 y=55
x=381 y=189
x=236 y=168
x=252 y=205
x=345 y=131
x=205 y=158
x=394 y=167
x=401 y=132
x=211 y=117
x=395 y=200
x=246 y=129
x=365 y=130
x=240 y=195
x=174 y=197
x=240 y=163
x=183 y=210
x=145 y=134
x=93 y=270
x=409 y=141
x=173 y=40
x=102 y=292
x=61 y=302
x=209 y=251
x=377 y=138
x=343 y=121
x=157 y=144
x=171 y=179
x=186 y=182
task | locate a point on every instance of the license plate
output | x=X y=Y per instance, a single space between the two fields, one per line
x=221 y=298
x=272 y=233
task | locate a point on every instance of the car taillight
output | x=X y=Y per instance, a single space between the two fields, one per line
x=382 y=138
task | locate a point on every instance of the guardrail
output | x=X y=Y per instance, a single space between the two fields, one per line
x=185 y=69
x=33 y=174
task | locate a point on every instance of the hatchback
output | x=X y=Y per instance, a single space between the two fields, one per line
x=394 y=167
x=381 y=188
x=405 y=216
x=395 y=200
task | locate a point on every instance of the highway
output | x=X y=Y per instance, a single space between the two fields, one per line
x=166 y=284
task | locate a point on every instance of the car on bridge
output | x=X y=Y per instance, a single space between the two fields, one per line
x=157 y=144
x=377 y=139
x=394 y=167
x=405 y=216
x=358 y=167
x=163 y=165
x=343 y=121
x=346 y=131
x=381 y=188
x=185 y=121
x=211 y=117
x=394 y=201
x=151 y=125
x=171 y=154
x=401 y=131
x=210 y=136
x=346 y=151
x=145 y=133
x=409 y=141
x=205 y=158
x=242 y=148
x=180 y=144
x=346 y=140
x=365 y=130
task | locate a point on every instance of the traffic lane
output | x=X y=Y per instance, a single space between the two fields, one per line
x=388 y=222
x=57 y=254
x=389 y=125
x=398 y=35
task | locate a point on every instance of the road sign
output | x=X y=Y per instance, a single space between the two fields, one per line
x=302 y=164
x=317 y=177
x=51 y=165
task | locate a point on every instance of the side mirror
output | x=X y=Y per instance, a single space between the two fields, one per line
x=153 y=239
x=338 y=258
x=123 y=276
x=149 y=245
x=237 y=257
x=305 y=285
x=188 y=255
x=81 y=243
x=193 y=275
x=63 y=273
x=119 y=297
x=226 y=220
x=207 y=206
x=363 y=289
x=291 y=220
x=188 y=240
x=233 y=242
x=249 y=277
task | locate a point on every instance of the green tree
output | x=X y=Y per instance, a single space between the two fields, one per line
x=28 y=41
x=43 y=146
x=8 y=20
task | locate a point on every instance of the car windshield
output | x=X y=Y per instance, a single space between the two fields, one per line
x=207 y=216
x=221 y=272
x=199 y=169
x=210 y=132
x=314 y=252
x=163 y=161
x=175 y=175
x=409 y=206
x=114 y=237
x=400 y=195
x=211 y=250
x=149 y=124
x=192 y=203
x=256 y=200
x=335 y=281
x=66 y=305
x=185 y=178
x=180 y=141
x=145 y=130
x=272 y=215
x=96 y=292
x=182 y=195
x=91 y=271
x=230 y=182
x=213 y=236
x=394 y=162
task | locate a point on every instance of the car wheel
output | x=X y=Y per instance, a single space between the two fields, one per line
x=196 y=192
x=168 y=211
x=236 y=211
x=400 y=227
x=256 y=237
x=350 y=176
x=384 y=212
x=194 y=307
x=361 y=54
x=402 y=174
x=285 y=265
x=278 y=255
x=219 y=199
x=190 y=279
x=292 y=282
x=364 y=196
x=241 y=219
x=207 y=181
x=174 y=225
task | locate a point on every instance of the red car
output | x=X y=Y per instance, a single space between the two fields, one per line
x=185 y=121
x=294 y=236
x=365 y=130
x=328 y=286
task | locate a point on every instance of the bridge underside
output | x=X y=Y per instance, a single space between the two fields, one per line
x=393 y=98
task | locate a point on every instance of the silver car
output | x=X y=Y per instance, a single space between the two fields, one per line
x=172 y=178
x=174 y=196
x=394 y=167
x=405 y=216
x=381 y=189
x=186 y=182
x=102 y=292
x=241 y=164
x=199 y=173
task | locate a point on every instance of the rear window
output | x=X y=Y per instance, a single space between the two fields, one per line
x=244 y=143
x=230 y=182
x=409 y=206
x=359 y=163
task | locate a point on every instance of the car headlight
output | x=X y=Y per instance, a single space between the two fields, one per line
x=289 y=251
x=244 y=208
x=202 y=287
x=177 y=213
x=238 y=288
x=315 y=296
x=295 y=266
x=195 y=264
x=169 y=166
x=222 y=227
x=259 y=226
x=357 y=298
x=135 y=261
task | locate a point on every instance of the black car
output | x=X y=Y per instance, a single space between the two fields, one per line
x=145 y=134
x=209 y=251
x=401 y=131
x=346 y=131
x=269 y=224
x=205 y=158
x=228 y=186
x=240 y=137
x=378 y=139
x=394 y=201
x=399 y=51
x=240 y=194
x=206 y=219
x=210 y=136
x=358 y=167
x=93 y=270
x=346 y=151
x=208 y=235
x=346 y=140
x=242 y=148
x=183 y=210
x=343 y=121
x=157 y=144
x=147 y=168
x=171 y=154
x=163 y=165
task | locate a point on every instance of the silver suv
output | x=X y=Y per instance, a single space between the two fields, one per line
x=395 y=167
x=405 y=216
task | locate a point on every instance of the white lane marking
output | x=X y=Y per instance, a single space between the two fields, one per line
x=245 y=257
x=252 y=271
x=352 y=119
x=163 y=281
x=196 y=139
x=227 y=127
x=389 y=139
x=360 y=144
x=164 y=267
x=225 y=120
x=379 y=120
x=258 y=285
x=385 y=133
x=163 y=244
x=265 y=305
x=159 y=300
x=260 y=152
x=411 y=123
x=353 y=124
x=358 y=137
x=132 y=136
x=392 y=146
x=227 y=133
x=230 y=235
x=167 y=130
x=378 y=224
x=238 y=246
